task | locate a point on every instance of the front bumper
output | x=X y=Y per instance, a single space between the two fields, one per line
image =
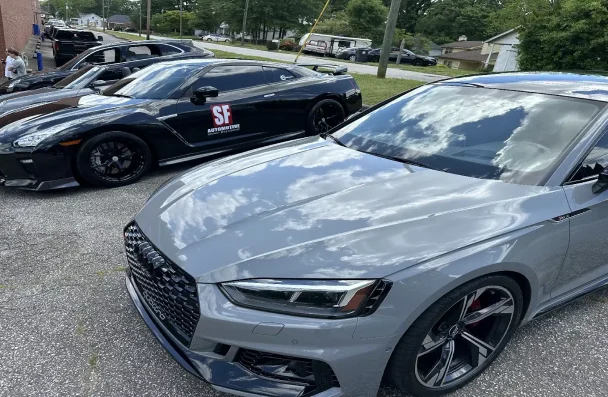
x=358 y=365
x=26 y=169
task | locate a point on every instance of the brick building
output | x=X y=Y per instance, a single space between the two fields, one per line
x=16 y=20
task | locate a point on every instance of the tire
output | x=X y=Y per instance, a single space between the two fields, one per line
x=336 y=112
x=417 y=62
x=409 y=375
x=98 y=159
x=352 y=58
x=209 y=40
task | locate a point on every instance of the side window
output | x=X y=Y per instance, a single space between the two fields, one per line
x=595 y=162
x=168 y=49
x=140 y=52
x=344 y=43
x=277 y=75
x=228 y=78
x=103 y=57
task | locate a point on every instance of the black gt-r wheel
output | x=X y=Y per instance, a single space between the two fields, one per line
x=324 y=115
x=417 y=62
x=458 y=337
x=113 y=159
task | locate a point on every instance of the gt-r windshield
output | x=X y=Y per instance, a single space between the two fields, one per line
x=155 y=82
x=485 y=133
x=79 y=79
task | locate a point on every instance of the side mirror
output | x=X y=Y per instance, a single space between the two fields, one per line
x=99 y=38
x=602 y=182
x=201 y=94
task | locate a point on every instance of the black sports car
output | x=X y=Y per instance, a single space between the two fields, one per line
x=115 y=53
x=168 y=113
x=87 y=80
x=407 y=56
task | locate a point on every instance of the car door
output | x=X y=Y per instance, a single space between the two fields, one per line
x=407 y=56
x=587 y=257
x=289 y=110
x=240 y=113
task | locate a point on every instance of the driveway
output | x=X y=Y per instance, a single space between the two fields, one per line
x=68 y=328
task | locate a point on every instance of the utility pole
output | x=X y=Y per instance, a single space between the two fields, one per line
x=181 y=11
x=103 y=15
x=140 y=3
x=148 y=20
x=388 y=37
x=244 y=23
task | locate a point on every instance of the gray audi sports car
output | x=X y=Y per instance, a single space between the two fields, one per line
x=409 y=242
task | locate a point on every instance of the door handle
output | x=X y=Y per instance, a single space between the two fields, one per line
x=268 y=95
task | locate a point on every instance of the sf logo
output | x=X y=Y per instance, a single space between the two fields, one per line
x=222 y=115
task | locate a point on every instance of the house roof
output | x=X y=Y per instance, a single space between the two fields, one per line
x=469 y=56
x=463 y=44
x=498 y=36
x=119 y=19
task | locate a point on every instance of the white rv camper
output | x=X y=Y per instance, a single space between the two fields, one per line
x=326 y=44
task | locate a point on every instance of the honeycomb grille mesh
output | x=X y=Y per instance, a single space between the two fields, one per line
x=168 y=291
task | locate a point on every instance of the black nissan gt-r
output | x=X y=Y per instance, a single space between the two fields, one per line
x=168 y=113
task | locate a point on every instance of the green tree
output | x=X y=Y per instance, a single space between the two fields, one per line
x=571 y=35
x=367 y=18
x=519 y=12
x=337 y=24
x=168 y=22
x=448 y=19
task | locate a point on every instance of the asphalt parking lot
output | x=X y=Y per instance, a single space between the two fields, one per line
x=68 y=328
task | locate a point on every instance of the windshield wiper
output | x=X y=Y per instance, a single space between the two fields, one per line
x=122 y=96
x=325 y=135
x=402 y=160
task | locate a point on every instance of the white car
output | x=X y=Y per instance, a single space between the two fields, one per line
x=215 y=37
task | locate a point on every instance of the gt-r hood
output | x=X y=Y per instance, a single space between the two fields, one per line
x=313 y=209
x=21 y=99
x=60 y=115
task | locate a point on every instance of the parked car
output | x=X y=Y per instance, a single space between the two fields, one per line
x=57 y=23
x=109 y=54
x=215 y=37
x=168 y=113
x=403 y=244
x=407 y=56
x=68 y=43
x=87 y=80
x=349 y=53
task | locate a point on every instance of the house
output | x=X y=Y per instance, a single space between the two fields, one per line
x=91 y=20
x=119 y=21
x=506 y=45
x=465 y=55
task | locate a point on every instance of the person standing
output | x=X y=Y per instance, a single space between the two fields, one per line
x=7 y=69
x=17 y=67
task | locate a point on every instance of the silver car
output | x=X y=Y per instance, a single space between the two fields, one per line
x=410 y=242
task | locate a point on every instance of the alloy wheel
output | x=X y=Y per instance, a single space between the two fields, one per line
x=464 y=337
x=327 y=117
x=116 y=161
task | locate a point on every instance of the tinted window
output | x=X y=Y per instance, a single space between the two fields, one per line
x=111 y=75
x=169 y=49
x=595 y=162
x=141 y=52
x=155 y=82
x=102 y=57
x=76 y=80
x=492 y=134
x=75 y=36
x=228 y=78
x=277 y=75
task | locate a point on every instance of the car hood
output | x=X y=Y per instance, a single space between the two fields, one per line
x=313 y=209
x=59 y=114
x=52 y=75
x=21 y=99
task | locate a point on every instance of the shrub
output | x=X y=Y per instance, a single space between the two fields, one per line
x=288 y=45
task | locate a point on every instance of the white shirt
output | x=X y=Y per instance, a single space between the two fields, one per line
x=9 y=62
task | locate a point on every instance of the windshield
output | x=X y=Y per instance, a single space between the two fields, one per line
x=155 y=82
x=79 y=79
x=478 y=132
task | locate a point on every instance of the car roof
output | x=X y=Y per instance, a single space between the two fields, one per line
x=206 y=61
x=140 y=42
x=575 y=85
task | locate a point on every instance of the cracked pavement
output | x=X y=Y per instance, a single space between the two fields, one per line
x=68 y=328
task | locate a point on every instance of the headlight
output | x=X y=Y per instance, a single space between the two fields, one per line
x=309 y=298
x=13 y=83
x=32 y=140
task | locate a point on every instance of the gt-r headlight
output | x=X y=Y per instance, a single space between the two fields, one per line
x=32 y=140
x=309 y=298
x=13 y=83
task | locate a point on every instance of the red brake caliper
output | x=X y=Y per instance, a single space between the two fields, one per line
x=474 y=307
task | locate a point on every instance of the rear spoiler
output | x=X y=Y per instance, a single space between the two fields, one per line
x=326 y=68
